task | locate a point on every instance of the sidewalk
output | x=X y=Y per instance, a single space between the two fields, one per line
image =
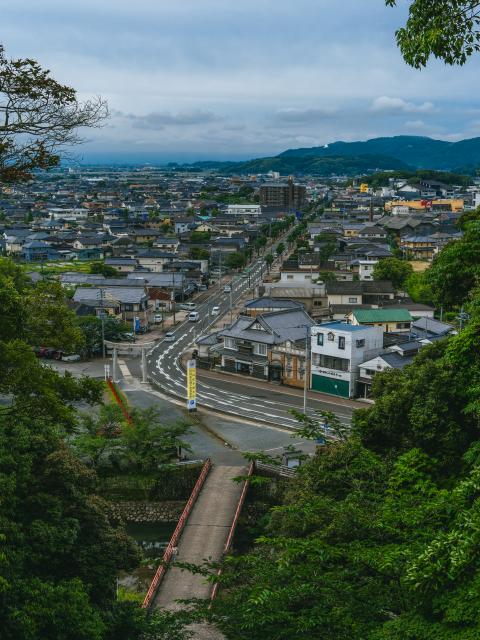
x=235 y=378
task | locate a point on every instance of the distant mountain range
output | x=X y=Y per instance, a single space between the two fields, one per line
x=350 y=158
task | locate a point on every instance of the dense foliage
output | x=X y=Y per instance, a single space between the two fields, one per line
x=61 y=548
x=393 y=269
x=377 y=538
x=382 y=178
x=445 y=29
x=455 y=270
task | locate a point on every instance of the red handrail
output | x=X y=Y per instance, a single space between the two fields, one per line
x=119 y=401
x=233 y=527
x=160 y=573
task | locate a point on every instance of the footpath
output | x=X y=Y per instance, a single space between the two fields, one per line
x=203 y=538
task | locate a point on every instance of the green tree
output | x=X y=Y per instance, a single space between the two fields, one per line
x=39 y=117
x=393 y=269
x=455 y=270
x=269 y=260
x=468 y=217
x=200 y=236
x=446 y=29
x=149 y=443
x=280 y=248
x=418 y=288
x=236 y=260
x=49 y=322
x=198 y=253
x=104 y=269
x=91 y=328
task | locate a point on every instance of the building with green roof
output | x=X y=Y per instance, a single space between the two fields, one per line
x=396 y=320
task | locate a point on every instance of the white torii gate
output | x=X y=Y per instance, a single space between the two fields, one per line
x=133 y=348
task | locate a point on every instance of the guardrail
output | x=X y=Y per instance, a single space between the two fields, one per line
x=119 y=401
x=162 y=569
x=279 y=470
x=233 y=526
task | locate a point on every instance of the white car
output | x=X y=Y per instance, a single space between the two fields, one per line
x=169 y=337
x=227 y=288
x=157 y=318
x=215 y=311
x=193 y=316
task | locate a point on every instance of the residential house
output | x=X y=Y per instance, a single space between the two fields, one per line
x=266 y=304
x=167 y=244
x=124 y=265
x=270 y=346
x=360 y=292
x=39 y=251
x=337 y=349
x=391 y=359
x=154 y=259
x=418 y=247
x=129 y=303
x=396 y=320
x=428 y=327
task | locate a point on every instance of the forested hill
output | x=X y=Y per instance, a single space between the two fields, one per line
x=417 y=151
x=353 y=158
x=331 y=165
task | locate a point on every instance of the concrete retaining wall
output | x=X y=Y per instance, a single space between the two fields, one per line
x=131 y=511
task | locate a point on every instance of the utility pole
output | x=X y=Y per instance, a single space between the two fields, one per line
x=173 y=299
x=305 y=382
x=102 y=317
x=231 y=304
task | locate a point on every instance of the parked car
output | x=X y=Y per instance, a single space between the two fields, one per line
x=169 y=337
x=227 y=288
x=157 y=318
x=73 y=357
x=193 y=316
x=188 y=306
x=202 y=287
x=215 y=311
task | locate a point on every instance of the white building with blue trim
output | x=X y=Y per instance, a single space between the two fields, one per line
x=337 y=350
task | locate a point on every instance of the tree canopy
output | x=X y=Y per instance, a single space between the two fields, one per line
x=61 y=547
x=393 y=269
x=39 y=117
x=445 y=29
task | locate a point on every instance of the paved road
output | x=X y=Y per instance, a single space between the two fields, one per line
x=217 y=437
x=244 y=399
x=203 y=538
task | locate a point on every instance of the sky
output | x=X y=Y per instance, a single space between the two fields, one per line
x=235 y=79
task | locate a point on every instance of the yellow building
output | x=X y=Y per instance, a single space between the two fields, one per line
x=421 y=205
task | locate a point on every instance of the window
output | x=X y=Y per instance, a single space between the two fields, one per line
x=289 y=277
x=330 y=362
x=320 y=339
x=341 y=342
x=260 y=349
x=403 y=325
x=309 y=277
x=360 y=343
x=352 y=300
x=230 y=343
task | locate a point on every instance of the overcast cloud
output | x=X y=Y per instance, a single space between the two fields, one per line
x=196 y=79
